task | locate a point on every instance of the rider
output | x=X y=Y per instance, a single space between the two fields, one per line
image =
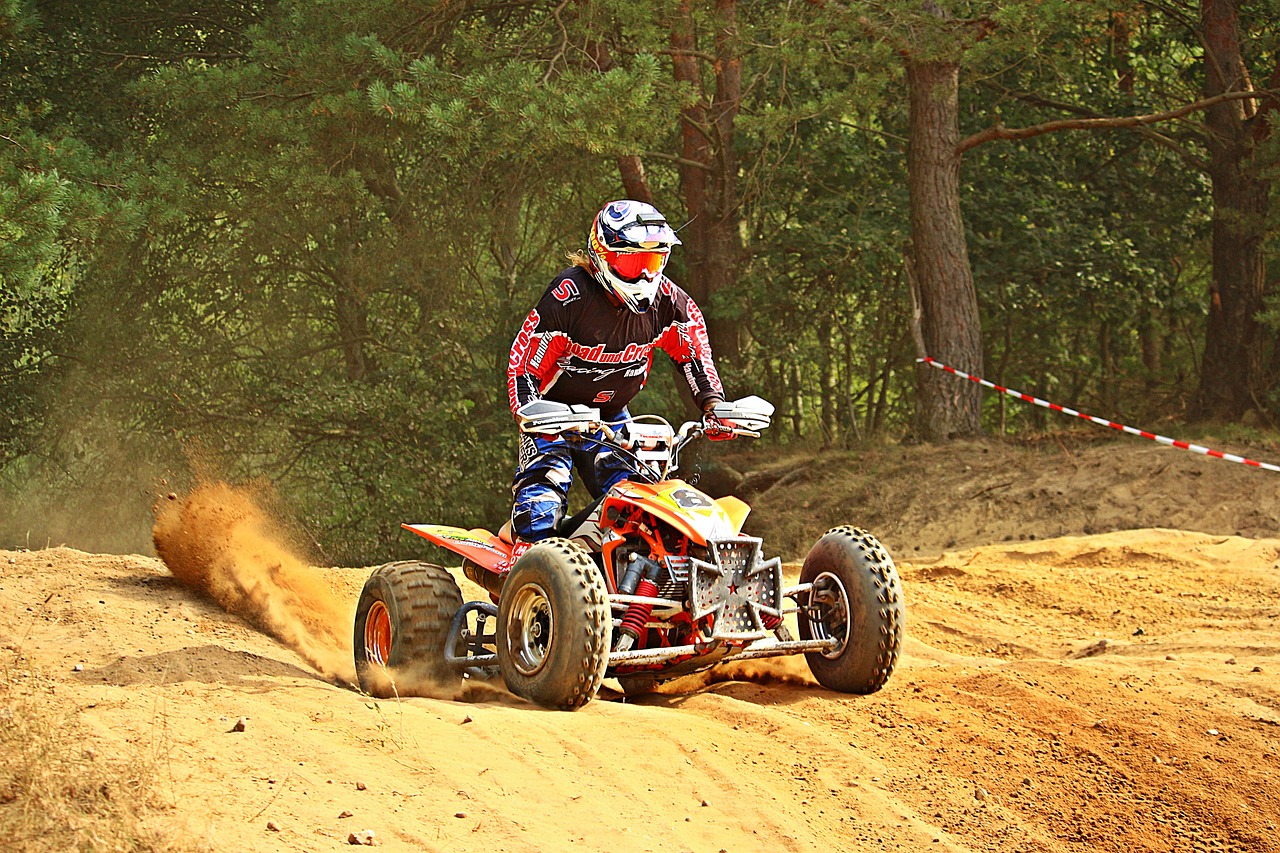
x=590 y=341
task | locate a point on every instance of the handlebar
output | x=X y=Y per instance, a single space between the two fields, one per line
x=651 y=441
x=688 y=431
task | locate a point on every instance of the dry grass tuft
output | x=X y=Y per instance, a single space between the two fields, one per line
x=57 y=792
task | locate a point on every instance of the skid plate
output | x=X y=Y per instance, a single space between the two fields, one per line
x=738 y=586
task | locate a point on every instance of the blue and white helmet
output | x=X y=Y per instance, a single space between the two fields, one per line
x=629 y=244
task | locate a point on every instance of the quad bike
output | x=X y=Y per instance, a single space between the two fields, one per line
x=651 y=581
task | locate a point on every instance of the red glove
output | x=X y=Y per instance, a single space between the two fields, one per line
x=718 y=429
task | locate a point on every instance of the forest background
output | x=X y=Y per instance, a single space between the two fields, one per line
x=291 y=241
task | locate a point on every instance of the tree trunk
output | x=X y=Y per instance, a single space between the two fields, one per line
x=351 y=316
x=1232 y=370
x=630 y=167
x=709 y=173
x=634 y=183
x=797 y=397
x=950 y=325
x=828 y=384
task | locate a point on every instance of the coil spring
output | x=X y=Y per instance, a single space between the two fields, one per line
x=638 y=613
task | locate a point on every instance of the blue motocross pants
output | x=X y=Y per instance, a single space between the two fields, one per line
x=545 y=474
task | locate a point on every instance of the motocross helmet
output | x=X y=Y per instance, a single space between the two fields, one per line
x=628 y=247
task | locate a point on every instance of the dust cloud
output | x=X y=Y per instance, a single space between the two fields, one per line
x=403 y=682
x=766 y=671
x=218 y=541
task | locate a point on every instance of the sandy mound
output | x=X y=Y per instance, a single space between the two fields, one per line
x=923 y=500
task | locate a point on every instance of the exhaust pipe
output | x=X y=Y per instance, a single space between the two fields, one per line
x=491 y=583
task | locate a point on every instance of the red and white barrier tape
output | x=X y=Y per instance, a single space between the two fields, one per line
x=1195 y=448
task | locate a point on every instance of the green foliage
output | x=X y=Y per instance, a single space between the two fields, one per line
x=52 y=205
x=31 y=217
x=294 y=239
x=73 y=60
x=1109 y=229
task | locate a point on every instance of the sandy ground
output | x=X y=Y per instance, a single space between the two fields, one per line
x=1107 y=692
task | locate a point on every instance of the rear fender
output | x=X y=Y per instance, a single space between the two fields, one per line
x=479 y=546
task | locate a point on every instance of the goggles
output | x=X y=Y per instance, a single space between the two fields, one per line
x=633 y=266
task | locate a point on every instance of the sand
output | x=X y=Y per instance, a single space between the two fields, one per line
x=1107 y=692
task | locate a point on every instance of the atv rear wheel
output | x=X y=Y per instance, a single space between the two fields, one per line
x=856 y=599
x=402 y=625
x=554 y=625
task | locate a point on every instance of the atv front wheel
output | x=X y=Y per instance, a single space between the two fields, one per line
x=402 y=624
x=856 y=600
x=554 y=624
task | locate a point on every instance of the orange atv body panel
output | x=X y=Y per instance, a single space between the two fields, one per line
x=693 y=513
x=737 y=510
x=479 y=546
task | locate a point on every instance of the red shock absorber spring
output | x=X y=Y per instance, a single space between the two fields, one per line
x=770 y=621
x=638 y=613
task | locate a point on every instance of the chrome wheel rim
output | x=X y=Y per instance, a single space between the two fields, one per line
x=828 y=613
x=530 y=629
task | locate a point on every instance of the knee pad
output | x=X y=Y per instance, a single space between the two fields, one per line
x=538 y=510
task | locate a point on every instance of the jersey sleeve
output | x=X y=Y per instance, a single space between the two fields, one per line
x=685 y=339
x=537 y=348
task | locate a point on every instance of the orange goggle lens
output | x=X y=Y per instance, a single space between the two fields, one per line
x=634 y=266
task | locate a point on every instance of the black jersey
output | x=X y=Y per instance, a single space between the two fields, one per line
x=577 y=346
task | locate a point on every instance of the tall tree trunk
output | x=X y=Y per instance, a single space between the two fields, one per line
x=709 y=171
x=1232 y=370
x=351 y=316
x=797 y=396
x=1149 y=329
x=829 y=386
x=634 y=182
x=949 y=319
x=630 y=167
